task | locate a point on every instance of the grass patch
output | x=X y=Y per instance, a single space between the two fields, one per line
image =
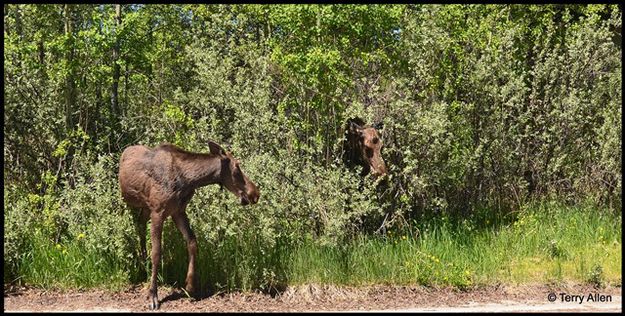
x=543 y=243
x=546 y=243
x=68 y=265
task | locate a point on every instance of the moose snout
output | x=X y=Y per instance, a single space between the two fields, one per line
x=244 y=200
x=254 y=196
x=251 y=196
x=379 y=170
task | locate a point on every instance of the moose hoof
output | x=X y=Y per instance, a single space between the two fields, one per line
x=190 y=291
x=154 y=305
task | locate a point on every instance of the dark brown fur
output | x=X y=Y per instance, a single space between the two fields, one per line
x=363 y=146
x=160 y=182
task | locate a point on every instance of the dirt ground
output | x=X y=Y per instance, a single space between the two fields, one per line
x=310 y=298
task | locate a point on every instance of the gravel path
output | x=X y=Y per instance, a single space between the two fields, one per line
x=323 y=298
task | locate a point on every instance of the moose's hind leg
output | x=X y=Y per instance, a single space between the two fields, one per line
x=156 y=226
x=140 y=218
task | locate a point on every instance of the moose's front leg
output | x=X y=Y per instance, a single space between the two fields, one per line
x=182 y=222
x=155 y=233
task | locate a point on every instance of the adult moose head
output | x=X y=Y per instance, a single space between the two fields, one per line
x=157 y=183
x=362 y=146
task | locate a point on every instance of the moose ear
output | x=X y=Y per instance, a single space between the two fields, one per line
x=215 y=148
x=354 y=127
x=378 y=125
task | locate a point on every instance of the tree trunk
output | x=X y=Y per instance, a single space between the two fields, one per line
x=6 y=18
x=116 y=73
x=18 y=21
x=17 y=27
x=126 y=74
x=69 y=78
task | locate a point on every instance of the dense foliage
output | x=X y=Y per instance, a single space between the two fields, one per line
x=485 y=107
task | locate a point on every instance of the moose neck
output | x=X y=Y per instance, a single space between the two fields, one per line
x=202 y=169
x=352 y=150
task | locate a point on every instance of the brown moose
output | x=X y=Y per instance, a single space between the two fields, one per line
x=362 y=146
x=160 y=182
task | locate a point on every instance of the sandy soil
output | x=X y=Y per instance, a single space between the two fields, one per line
x=528 y=298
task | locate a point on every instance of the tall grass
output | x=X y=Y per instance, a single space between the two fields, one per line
x=546 y=243
x=542 y=243
x=68 y=265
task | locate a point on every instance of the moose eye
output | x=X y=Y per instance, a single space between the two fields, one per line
x=238 y=173
x=375 y=140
